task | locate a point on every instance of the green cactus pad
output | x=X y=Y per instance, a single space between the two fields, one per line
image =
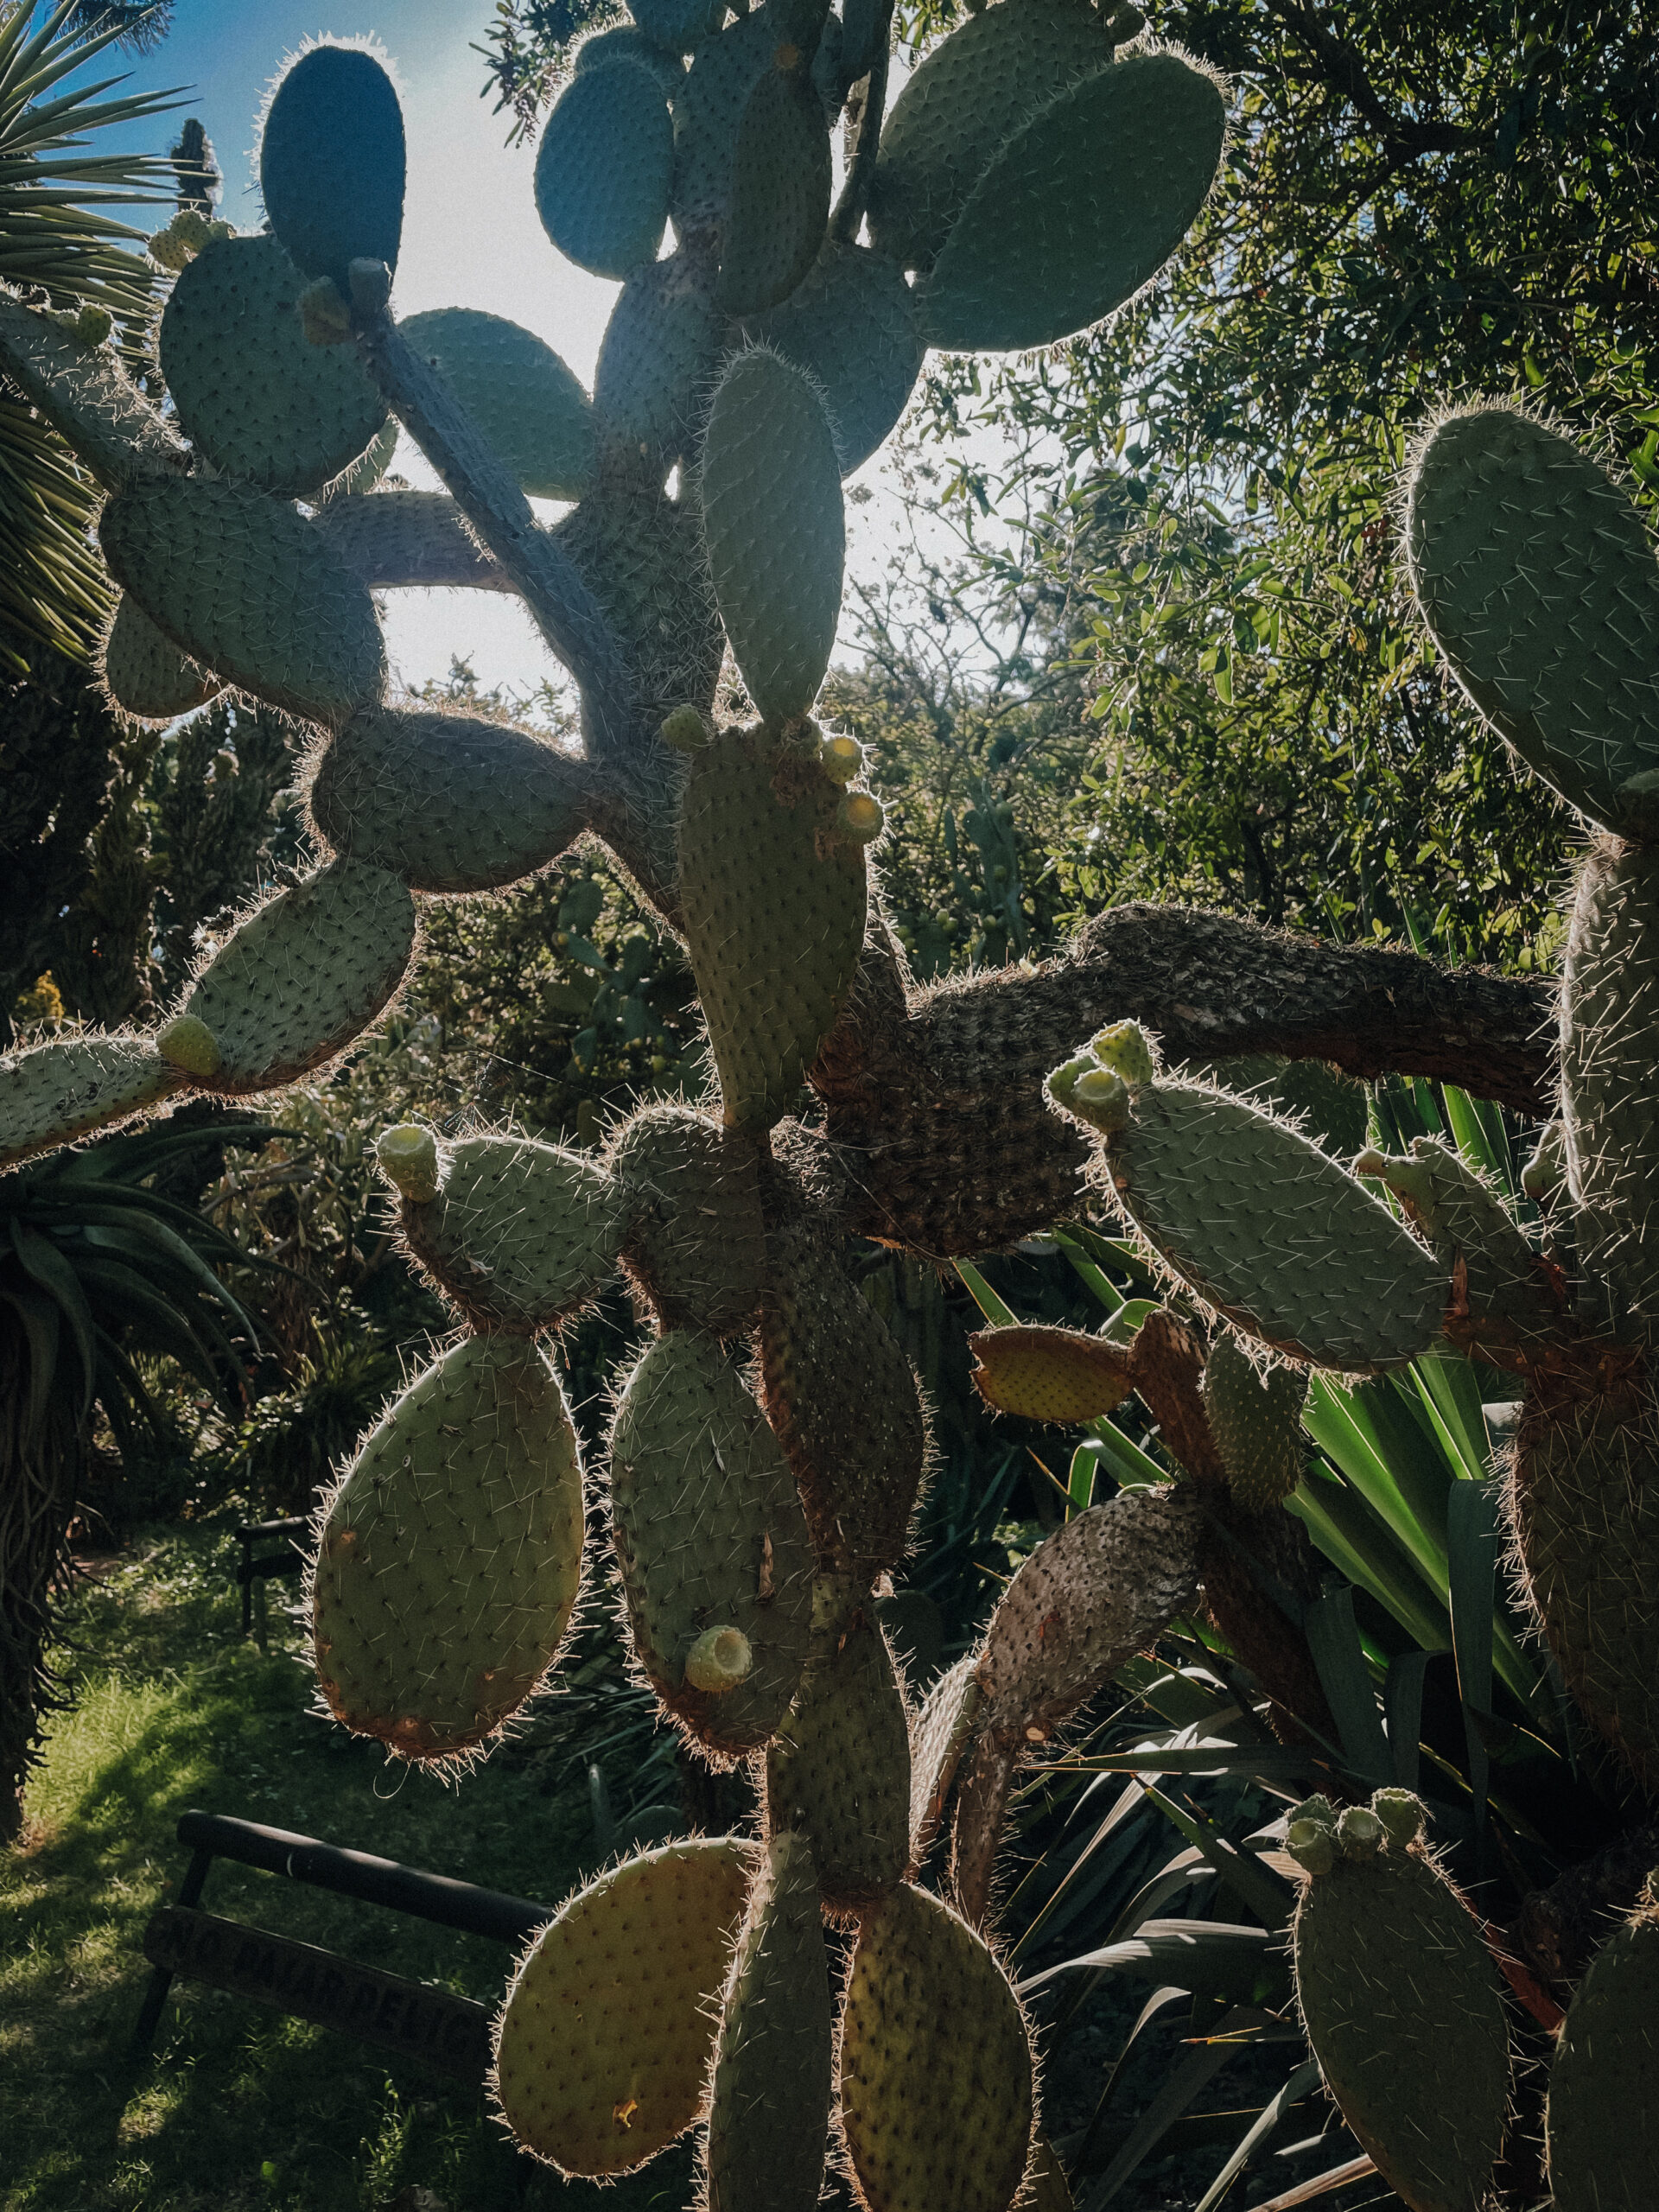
x=1584 y=1504
x=850 y=326
x=331 y=163
x=769 y=2113
x=83 y=392
x=408 y=538
x=602 y=2047
x=447 y=802
x=677 y=25
x=957 y=110
x=774 y=521
x=1050 y=1374
x=709 y=1531
x=604 y=167
x=840 y=1394
x=641 y=556
x=450 y=1555
x=939 y=1734
x=839 y=1767
x=1257 y=1424
x=935 y=2064
x=303 y=974
x=1609 y=1001
x=774 y=912
x=517 y=391
x=254 y=396
x=56 y=1092
x=627 y=42
x=1402 y=2006
x=145 y=674
x=1537 y=579
x=655 y=362
x=1601 y=2126
x=365 y=472
x=781 y=180
x=1270 y=1231
x=242 y=585
x=520 y=1234
x=696 y=1245
x=1081 y=208
x=708 y=114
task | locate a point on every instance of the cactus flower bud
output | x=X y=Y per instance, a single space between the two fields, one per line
x=1123 y=1047
x=409 y=1155
x=683 y=728
x=840 y=758
x=187 y=1042
x=860 y=817
x=1403 y=1816
x=1360 y=1833
x=719 y=1660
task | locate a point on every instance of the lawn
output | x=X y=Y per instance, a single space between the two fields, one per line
x=239 y=2106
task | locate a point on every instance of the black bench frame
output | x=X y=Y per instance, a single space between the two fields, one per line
x=251 y=1571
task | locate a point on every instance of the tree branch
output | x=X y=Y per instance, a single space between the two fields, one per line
x=1340 y=66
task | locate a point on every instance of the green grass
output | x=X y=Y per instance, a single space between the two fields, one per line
x=239 y=2107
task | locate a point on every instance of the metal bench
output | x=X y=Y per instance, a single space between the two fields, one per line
x=254 y=1573
x=450 y=2033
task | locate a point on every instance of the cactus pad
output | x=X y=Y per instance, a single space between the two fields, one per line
x=709 y=1533
x=850 y=326
x=774 y=521
x=641 y=556
x=677 y=25
x=83 y=392
x=655 y=362
x=967 y=99
x=1050 y=1374
x=1081 y=208
x=450 y=1555
x=708 y=114
x=1537 y=579
x=331 y=163
x=839 y=1769
x=774 y=908
x=145 y=673
x=1256 y=1423
x=935 y=2066
x=59 y=1091
x=603 y=167
x=779 y=191
x=1601 y=2129
x=603 y=2045
x=517 y=391
x=776 y=2047
x=241 y=584
x=695 y=1243
x=520 y=1234
x=254 y=396
x=840 y=1394
x=302 y=975
x=447 y=802
x=1402 y=2006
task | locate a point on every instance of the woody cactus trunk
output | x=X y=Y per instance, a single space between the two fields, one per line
x=768 y=1448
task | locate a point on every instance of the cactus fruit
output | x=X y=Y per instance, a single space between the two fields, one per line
x=1538 y=582
x=291 y=416
x=331 y=163
x=447 y=802
x=858 y=1458
x=775 y=2051
x=1601 y=2127
x=773 y=516
x=64 y=1089
x=709 y=1532
x=939 y=1734
x=1053 y=1375
x=1403 y=2007
x=935 y=2064
x=1257 y=1422
x=604 y=166
x=520 y=1234
x=246 y=587
x=301 y=977
x=603 y=2046
x=695 y=1244
x=449 y=1556
x=1264 y=1226
x=762 y=874
x=517 y=391
x=145 y=674
x=409 y=1156
x=838 y=1770
x=187 y=1044
x=850 y=326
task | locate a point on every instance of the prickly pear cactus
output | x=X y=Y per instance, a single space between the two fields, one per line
x=758 y=1508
